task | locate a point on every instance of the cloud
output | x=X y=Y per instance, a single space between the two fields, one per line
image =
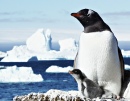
x=11 y=13
x=127 y=13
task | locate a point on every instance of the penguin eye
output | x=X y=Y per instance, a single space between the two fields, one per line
x=75 y=71
x=88 y=15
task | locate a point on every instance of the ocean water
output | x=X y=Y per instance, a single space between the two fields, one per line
x=61 y=81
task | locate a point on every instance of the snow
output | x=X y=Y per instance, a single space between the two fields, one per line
x=2 y=54
x=40 y=41
x=57 y=69
x=67 y=44
x=125 y=53
x=19 y=74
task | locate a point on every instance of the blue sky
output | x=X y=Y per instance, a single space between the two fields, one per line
x=21 y=18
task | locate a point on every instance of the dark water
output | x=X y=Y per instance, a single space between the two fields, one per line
x=61 y=81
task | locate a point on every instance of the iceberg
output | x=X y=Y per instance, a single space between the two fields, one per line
x=18 y=54
x=57 y=69
x=23 y=54
x=67 y=44
x=40 y=41
x=38 y=47
x=2 y=54
x=127 y=67
x=19 y=74
x=125 y=54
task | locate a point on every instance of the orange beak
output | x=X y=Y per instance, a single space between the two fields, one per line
x=71 y=72
x=75 y=14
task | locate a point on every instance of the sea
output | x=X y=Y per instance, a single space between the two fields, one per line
x=60 y=81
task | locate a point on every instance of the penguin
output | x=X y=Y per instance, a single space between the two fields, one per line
x=99 y=56
x=86 y=87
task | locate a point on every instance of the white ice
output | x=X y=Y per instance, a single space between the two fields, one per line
x=57 y=69
x=23 y=54
x=2 y=54
x=40 y=41
x=125 y=53
x=127 y=67
x=67 y=44
x=19 y=74
x=38 y=47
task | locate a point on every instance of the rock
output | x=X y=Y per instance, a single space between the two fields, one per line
x=58 y=95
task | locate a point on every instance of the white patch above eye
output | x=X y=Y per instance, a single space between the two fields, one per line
x=90 y=12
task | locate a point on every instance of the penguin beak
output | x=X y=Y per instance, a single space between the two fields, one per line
x=75 y=15
x=71 y=72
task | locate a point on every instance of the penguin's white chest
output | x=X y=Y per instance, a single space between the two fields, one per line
x=98 y=56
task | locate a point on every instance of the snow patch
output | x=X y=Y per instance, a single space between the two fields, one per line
x=19 y=74
x=57 y=69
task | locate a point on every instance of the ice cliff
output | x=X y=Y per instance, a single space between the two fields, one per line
x=40 y=41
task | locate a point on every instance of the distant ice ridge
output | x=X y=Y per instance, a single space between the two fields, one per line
x=125 y=53
x=57 y=69
x=38 y=47
x=19 y=74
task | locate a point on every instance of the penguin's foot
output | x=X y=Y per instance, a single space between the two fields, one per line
x=109 y=96
x=118 y=97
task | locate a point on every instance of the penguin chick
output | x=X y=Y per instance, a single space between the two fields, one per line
x=86 y=87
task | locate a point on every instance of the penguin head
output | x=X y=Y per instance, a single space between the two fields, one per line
x=77 y=74
x=91 y=21
x=87 y=17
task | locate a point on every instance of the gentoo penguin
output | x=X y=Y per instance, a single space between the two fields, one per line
x=99 y=56
x=86 y=87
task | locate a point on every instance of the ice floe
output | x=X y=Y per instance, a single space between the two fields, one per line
x=18 y=74
x=57 y=69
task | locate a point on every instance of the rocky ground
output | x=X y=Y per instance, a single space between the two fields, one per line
x=58 y=95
